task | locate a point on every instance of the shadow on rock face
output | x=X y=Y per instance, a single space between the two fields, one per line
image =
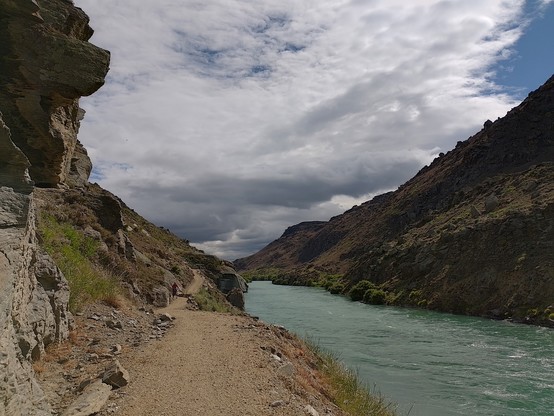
x=47 y=66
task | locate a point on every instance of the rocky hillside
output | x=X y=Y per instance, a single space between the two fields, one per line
x=64 y=243
x=473 y=233
x=283 y=252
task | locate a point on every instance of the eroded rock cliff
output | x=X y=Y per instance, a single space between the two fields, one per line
x=46 y=64
x=33 y=305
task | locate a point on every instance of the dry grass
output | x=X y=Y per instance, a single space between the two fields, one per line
x=347 y=390
x=116 y=301
x=39 y=367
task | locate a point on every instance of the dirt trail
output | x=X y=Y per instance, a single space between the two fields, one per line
x=212 y=364
x=196 y=284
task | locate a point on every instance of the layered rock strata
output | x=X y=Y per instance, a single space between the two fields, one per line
x=46 y=65
x=33 y=306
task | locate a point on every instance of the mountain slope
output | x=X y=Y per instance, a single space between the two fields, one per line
x=472 y=233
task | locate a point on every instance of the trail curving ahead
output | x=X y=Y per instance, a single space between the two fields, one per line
x=208 y=364
x=197 y=282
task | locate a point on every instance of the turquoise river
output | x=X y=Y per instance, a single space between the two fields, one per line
x=431 y=364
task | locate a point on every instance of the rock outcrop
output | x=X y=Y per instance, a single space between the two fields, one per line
x=33 y=305
x=13 y=163
x=46 y=64
x=472 y=233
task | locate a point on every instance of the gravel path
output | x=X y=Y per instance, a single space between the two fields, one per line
x=195 y=285
x=215 y=364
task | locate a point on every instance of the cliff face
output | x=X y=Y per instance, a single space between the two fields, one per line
x=66 y=244
x=45 y=66
x=33 y=305
x=471 y=233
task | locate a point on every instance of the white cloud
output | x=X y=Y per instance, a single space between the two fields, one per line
x=230 y=120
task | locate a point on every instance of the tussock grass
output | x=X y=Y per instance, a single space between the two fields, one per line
x=348 y=391
x=209 y=302
x=73 y=253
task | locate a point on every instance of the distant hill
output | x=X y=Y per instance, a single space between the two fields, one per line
x=473 y=233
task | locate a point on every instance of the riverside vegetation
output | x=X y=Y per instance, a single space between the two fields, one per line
x=367 y=291
x=351 y=394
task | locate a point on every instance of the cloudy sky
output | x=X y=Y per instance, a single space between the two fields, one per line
x=229 y=120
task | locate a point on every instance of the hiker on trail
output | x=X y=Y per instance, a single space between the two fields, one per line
x=174 y=289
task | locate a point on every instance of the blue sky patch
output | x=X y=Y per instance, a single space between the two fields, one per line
x=533 y=61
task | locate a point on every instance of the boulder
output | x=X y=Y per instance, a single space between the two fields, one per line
x=310 y=410
x=491 y=203
x=116 y=376
x=160 y=296
x=286 y=370
x=165 y=317
x=91 y=400
x=236 y=298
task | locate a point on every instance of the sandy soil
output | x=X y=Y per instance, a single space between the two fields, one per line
x=193 y=287
x=203 y=364
x=219 y=364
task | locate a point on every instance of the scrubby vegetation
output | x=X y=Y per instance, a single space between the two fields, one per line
x=349 y=393
x=104 y=248
x=74 y=252
x=270 y=273
x=213 y=302
x=358 y=291
x=375 y=297
x=311 y=277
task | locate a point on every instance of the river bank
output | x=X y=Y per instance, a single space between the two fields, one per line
x=200 y=363
x=221 y=364
x=430 y=363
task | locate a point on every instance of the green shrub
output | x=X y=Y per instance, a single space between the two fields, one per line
x=208 y=302
x=327 y=280
x=533 y=313
x=73 y=252
x=415 y=295
x=394 y=298
x=262 y=274
x=375 y=297
x=357 y=291
x=336 y=287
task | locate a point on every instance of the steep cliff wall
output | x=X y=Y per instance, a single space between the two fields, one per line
x=33 y=306
x=45 y=66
